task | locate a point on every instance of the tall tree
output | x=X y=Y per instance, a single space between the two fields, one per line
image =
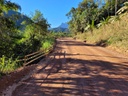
x=7 y=26
x=91 y=12
x=35 y=32
x=86 y=12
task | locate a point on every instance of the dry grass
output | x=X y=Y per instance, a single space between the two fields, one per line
x=114 y=35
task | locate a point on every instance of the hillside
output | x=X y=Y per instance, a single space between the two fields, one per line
x=113 y=35
x=62 y=28
x=20 y=18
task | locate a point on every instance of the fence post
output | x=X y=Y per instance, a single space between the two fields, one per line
x=25 y=60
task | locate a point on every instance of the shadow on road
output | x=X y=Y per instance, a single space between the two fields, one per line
x=77 y=77
x=77 y=43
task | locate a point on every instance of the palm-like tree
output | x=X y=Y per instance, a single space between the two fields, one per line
x=123 y=9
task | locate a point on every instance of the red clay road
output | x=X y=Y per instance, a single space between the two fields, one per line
x=78 y=69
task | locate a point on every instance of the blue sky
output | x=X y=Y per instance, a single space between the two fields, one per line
x=53 y=10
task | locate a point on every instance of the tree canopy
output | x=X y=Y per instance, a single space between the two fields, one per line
x=90 y=13
x=14 y=41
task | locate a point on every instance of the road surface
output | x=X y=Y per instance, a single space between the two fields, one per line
x=78 y=69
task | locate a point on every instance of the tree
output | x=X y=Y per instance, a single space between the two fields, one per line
x=7 y=27
x=34 y=33
x=89 y=13
x=86 y=12
x=40 y=21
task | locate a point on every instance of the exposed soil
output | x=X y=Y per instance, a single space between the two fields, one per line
x=77 y=69
x=14 y=77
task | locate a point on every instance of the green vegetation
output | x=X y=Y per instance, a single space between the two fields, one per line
x=61 y=34
x=114 y=35
x=17 y=41
x=47 y=43
x=90 y=13
x=7 y=65
x=102 y=24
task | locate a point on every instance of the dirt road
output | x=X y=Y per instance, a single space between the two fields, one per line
x=78 y=69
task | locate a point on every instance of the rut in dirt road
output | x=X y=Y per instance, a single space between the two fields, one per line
x=78 y=69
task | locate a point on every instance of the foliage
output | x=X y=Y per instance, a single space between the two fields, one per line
x=8 y=30
x=114 y=35
x=34 y=33
x=16 y=43
x=103 y=22
x=47 y=43
x=5 y=6
x=7 y=65
x=8 y=37
x=91 y=13
x=82 y=16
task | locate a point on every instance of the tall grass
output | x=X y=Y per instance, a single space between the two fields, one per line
x=114 y=34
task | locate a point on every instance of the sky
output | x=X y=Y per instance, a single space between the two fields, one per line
x=53 y=10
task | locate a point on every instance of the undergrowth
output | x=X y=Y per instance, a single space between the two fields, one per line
x=7 y=65
x=47 y=43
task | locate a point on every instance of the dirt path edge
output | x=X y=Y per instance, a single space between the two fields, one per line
x=9 y=82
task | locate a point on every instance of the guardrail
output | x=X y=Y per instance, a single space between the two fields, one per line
x=28 y=59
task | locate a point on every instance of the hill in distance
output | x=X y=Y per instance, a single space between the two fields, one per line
x=62 y=28
x=20 y=18
x=64 y=25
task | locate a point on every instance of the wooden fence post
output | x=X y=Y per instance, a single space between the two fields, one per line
x=25 y=60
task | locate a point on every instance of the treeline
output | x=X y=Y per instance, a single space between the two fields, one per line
x=18 y=40
x=92 y=14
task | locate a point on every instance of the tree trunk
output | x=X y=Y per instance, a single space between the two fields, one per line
x=115 y=6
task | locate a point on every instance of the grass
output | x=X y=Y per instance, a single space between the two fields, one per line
x=114 y=35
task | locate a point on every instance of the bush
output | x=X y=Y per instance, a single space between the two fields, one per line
x=47 y=43
x=7 y=65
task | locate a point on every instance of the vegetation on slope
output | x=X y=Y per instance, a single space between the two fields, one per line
x=114 y=35
x=102 y=24
x=16 y=43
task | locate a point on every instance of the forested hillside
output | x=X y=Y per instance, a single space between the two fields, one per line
x=16 y=43
x=101 y=22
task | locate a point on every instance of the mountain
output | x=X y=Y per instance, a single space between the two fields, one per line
x=64 y=25
x=62 y=28
x=20 y=18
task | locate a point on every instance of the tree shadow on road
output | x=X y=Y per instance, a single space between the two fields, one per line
x=77 y=77
x=77 y=43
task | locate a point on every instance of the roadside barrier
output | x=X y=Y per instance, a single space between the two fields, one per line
x=29 y=58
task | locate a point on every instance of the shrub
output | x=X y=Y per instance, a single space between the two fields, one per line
x=7 y=65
